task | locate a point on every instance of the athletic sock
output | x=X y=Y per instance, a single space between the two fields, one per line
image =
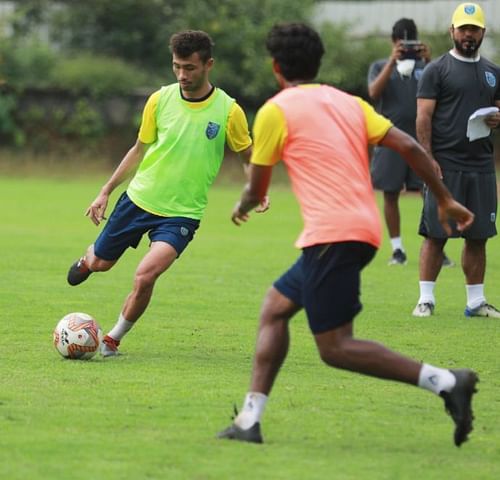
x=475 y=295
x=435 y=379
x=252 y=410
x=397 y=244
x=121 y=327
x=427 y=292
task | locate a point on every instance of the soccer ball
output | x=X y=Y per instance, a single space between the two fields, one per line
x=77 y=336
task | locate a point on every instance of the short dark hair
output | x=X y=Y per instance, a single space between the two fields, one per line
x=184 y=44
x=297 y=49
x=404 y=29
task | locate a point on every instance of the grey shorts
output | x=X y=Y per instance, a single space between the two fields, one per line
x=477 y=191
x=390 y=173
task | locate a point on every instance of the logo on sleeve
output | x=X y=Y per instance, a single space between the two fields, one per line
x=212 y=130
x=491 y=79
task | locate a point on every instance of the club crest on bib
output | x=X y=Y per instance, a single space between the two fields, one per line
x=212 y=130
x=491 y=79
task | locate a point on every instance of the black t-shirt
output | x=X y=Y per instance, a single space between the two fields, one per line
x=398 y=101
x=460 y=88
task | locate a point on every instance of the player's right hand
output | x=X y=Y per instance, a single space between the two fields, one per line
x=457 y=212
x=97 y=209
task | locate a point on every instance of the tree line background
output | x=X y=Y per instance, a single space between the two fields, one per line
x=78 y=72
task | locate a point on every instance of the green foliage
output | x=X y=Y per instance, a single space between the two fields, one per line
x=239 y=30
x=98 y=76
x=134 y=30
x=139 y=32
x=61 y=128
x=83 y=123
x=27 y=62
x=349 y=72
x=9 y=129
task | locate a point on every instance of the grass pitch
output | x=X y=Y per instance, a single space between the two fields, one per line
x=153 y=413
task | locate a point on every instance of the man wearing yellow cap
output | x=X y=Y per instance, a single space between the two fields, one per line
x=451 y=89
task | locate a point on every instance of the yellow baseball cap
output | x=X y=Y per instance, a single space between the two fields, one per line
x=468 y=14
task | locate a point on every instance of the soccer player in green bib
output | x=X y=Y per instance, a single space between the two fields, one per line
x=178 y=153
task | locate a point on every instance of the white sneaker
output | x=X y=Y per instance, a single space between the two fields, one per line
x=423 y=309
x=484 y=310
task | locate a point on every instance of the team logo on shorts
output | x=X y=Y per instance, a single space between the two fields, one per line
x=493 y=217
x=184 y=231
x=212 y=130
x=491 y=79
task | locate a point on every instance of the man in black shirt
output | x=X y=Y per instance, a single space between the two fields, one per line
x=452 y=88
x=392 y=85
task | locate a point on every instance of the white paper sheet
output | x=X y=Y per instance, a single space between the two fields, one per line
x=476 y=128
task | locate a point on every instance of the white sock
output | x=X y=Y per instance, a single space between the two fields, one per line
x=121 y=327
x=427 y=292
x=435 y=379
x=397 y=243
x=475 y=295
x=252 y=410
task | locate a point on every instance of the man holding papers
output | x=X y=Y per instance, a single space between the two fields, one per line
x=452 y=89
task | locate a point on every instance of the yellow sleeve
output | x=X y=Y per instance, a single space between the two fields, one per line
x=377 y=125
x=237 y=134
x=269 y=133
x=147 y=131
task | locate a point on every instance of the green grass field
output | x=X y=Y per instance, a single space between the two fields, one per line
x=153 y=413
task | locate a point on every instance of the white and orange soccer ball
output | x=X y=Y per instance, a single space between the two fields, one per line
x=77 y=336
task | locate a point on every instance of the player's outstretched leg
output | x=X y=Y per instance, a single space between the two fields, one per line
x=458 y=403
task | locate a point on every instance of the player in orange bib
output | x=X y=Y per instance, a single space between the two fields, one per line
x=322 y=134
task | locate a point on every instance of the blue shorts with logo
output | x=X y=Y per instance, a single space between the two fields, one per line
x=325 y=280
x=128 y=223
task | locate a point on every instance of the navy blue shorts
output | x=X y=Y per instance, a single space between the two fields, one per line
x=325 y=280
x=478 y=192
x=128 y=223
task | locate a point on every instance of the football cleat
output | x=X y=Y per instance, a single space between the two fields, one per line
x=425 y=309
x=458 y=403
x=233 y=432
x=484 y=310
x=78 y=272
x=398 y=257
x=109 y=347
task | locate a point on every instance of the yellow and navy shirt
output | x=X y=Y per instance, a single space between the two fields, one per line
x=322 y=135
x=186 y=143
x=237 y=134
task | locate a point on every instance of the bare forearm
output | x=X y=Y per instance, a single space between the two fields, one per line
x=125 y=168
x=423 y=123
x=249 y=200
x=377 y=86
x=423 y=165
x=418 y=159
